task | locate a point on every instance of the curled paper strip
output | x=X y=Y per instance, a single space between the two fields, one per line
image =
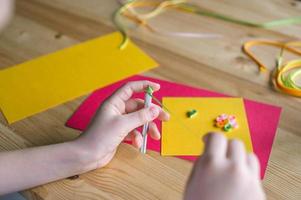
x=187 y=7
x=226 y=122
x=287 y=83
x=128 y=10
x=192 y=113
x=285 y=74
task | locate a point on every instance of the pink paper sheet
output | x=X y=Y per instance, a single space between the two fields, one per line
x=262 y=118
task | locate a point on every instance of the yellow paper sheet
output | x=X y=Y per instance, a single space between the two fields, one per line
x=183 y=136
x=50 y=80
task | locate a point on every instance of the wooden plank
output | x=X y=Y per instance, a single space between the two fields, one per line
x=129 y=176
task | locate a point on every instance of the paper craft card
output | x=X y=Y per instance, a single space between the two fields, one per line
x=50 y=80
x=262 y=118
x=183 y=135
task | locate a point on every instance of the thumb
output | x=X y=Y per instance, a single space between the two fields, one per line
x=135 y=119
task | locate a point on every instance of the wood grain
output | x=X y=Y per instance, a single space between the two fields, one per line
x=40 y=27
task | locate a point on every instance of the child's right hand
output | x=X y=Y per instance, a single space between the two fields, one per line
x=225 y=172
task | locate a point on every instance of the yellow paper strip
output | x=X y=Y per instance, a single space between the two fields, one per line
x=183 y=135
x=50 y=80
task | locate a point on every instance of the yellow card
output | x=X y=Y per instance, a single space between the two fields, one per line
x=183 y=136
x=50 y=80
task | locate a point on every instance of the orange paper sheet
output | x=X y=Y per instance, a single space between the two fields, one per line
x=183 y=136
x=50 y=80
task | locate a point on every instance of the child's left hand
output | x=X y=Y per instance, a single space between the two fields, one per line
x=117 y=120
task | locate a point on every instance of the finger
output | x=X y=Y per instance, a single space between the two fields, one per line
x=135 y=119
x=153 y=131
x=125 y=92
x=215 y=145
x=133 y=105
x=253 y=163
x=163 y=116
x=236 y=151
x=136 y=138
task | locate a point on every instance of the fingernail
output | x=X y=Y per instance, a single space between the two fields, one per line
x=154 y=111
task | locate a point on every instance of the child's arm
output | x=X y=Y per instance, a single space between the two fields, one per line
x=30 y=167
x=225 y=172
x=116 y=120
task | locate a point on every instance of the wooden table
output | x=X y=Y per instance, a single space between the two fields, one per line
x=42 y=26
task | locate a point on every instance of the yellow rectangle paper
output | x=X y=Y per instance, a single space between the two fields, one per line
x=50 y=80
x=183 y=136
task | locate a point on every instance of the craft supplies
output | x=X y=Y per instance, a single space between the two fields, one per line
x=182 y=136
x=192 y=113
x=287 y=83
x=128 y=10
x=262 y=134
x=50 y=80
x=193 y=8
x=285 y=73
x=226 y=122
x=147 y=103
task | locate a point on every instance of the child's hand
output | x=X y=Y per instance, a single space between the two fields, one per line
x=224 y=172
x=117 y=119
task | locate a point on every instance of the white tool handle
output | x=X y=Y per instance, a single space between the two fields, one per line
x=147 y=103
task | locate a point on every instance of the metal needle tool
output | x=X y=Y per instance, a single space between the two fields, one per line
x=147 y=103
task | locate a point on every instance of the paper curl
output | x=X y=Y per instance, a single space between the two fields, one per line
x=141 y=19
x=285 y=74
